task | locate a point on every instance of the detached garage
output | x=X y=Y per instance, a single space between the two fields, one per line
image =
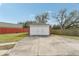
x=39 y=29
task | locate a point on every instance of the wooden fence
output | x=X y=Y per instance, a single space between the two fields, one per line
x=13 y=30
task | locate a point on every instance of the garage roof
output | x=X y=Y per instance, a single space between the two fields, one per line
x=10 y=25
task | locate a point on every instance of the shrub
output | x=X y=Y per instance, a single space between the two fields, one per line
x=74 y=32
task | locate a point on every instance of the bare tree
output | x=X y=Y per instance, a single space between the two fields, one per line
x=72 y=19
x=43 y=18
x=67 y=20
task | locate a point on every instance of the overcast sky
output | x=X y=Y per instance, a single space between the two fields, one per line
x=14 y=13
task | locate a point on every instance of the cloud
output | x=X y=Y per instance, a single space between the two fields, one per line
x=0 y=4
x=49 y=11
x=31 y=16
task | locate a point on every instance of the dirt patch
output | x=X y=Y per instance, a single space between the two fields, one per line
x=6 y=47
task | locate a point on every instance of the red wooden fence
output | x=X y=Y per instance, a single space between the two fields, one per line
x=13 y=30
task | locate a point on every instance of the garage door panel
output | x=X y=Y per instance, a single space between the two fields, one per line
x=39 y=30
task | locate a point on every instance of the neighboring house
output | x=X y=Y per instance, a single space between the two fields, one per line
x=39 y=29
x=11 y=28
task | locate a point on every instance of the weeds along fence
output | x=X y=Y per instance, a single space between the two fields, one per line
x=73 y=32
x=12 y=30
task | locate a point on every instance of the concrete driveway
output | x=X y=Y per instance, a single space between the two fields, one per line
x=46 y=46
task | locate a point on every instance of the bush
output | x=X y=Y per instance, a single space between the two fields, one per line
x=74 y=32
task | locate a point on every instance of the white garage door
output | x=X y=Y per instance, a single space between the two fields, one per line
x=39 y=30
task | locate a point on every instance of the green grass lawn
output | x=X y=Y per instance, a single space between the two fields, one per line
x=4 y=38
